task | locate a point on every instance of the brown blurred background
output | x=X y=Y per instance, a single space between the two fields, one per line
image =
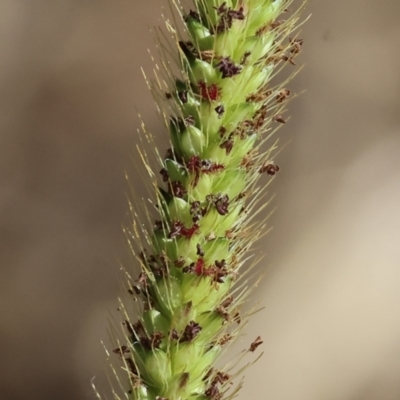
x=69 y=83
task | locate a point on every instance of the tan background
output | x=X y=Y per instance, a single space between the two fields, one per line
x=69 y=84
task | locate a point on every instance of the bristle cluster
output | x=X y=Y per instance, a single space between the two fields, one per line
x=225 y=108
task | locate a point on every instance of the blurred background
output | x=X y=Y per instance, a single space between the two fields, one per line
x=70 y=83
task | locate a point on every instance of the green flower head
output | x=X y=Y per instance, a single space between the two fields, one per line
x=219 y=112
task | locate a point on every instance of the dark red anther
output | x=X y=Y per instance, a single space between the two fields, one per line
x=174 y=335
x=189 y=232
x=178 y=229
x=164 y=174
x=222 y=204
x=199 y=266
x=209 y=92
x=190 y=332
x=178 y=190
x=228 y=68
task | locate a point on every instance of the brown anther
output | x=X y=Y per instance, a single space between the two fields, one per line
x=200 y=251
x=275 y=24
x=227 y=302
x=229 y=234
x=184 y=379
x=208 y=374
x=227 y=15
x=208 y=55
x=121 y=350
x=195 y=15
x=223 y=313
x=269 y=168
x=189 y=120
x=296 y=45
x=282 y=95
x=129 y=328
x=169 y=154
x=223 y=340
x=180 y=262
x=247 y=161
x=131 y=366
x=255 y=344
x=220 y=378
x=222 y=8
x=260 y=116
x=227 y=145
x=220 y=110
x=280 y=119
x=213 y=393
x=237 y=318
x=244 y=58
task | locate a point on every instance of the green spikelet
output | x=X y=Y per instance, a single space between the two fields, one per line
x=219 y=112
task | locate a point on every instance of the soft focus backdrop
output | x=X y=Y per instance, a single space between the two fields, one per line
x=70 y=83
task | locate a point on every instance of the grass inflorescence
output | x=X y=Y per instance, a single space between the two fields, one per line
x=220 y=111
